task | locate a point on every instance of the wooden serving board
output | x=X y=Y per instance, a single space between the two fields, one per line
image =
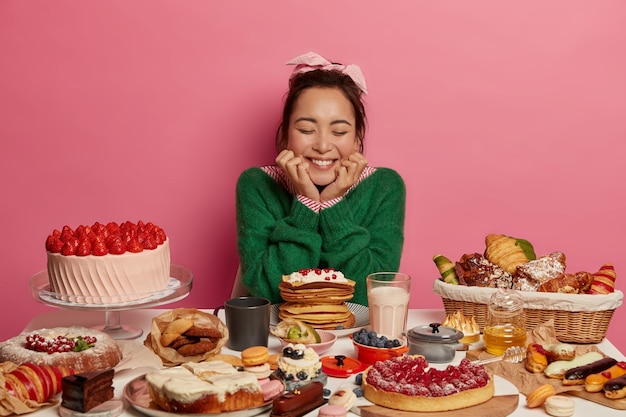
x=498 y=406
x=598 y=397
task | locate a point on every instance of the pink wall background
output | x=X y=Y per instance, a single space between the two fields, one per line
x=504 y=117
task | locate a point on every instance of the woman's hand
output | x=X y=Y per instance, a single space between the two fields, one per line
x=297 y=170
x=348 y=174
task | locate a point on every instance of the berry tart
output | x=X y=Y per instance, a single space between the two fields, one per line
x=77 y=348
x=407 y=383
x=105 y=264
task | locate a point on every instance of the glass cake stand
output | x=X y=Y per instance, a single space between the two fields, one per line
x=178 y=288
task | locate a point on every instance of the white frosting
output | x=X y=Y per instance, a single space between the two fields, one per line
x=110 y=278
x=309 y=363
x=189 y=382
x=317 y=275
x=204 y=369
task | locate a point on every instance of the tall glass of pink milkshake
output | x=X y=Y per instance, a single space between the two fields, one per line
x=388 y=296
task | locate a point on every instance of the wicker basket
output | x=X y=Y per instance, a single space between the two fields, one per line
x=578 y=318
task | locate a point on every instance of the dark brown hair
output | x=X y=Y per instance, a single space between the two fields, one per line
x=323 y=79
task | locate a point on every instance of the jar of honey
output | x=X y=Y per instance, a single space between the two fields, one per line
x=505 y=324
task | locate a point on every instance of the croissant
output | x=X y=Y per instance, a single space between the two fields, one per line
x=446 y=269
x=603 y=280
x=508 y=252
x=577 y=283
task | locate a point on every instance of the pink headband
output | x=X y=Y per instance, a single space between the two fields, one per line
x=312 y=61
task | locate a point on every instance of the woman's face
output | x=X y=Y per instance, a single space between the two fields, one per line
x=322 y=131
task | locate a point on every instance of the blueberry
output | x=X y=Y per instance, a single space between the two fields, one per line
x=388 y=344
x=396 y=343
x=301 y=375
x=358 y=379
x=288 y=351
x=297 y=354
x=326 y=393
x=372 y=334
x=358 y=392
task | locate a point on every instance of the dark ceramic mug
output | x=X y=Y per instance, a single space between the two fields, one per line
x=248 y=321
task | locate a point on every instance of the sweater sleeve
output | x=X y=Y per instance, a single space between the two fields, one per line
x=374 y=243
x=277 y=234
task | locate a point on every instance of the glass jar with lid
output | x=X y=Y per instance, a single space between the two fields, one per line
x=505 y=324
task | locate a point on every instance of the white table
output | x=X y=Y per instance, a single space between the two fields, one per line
x=343 y=346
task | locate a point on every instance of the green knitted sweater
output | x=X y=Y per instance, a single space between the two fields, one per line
x=363 y=232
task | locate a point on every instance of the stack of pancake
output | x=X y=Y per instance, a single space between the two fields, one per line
x=317 y=297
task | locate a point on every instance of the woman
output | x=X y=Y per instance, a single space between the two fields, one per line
x=321 y=205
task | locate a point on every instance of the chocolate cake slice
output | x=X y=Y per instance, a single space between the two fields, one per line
x=82 y=392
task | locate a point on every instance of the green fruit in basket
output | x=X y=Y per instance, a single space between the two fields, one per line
x=446 y=269
x=296 y=331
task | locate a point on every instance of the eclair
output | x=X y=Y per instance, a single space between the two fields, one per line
x=615 y=388
x=558 y=368
x=536 y=358
x=595 y=382
x=577 y=375
x=299 y=401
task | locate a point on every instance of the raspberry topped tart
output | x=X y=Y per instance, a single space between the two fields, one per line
x=78 y=348
x=105 y=264
x=407 y=383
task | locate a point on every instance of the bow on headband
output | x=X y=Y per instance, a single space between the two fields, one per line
x=312 y=61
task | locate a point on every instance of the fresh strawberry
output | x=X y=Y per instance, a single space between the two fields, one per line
x=84 y=247
x=98 y=247
x=116 y=245
x=149 y=242
x=69 y=248
x=134 y=245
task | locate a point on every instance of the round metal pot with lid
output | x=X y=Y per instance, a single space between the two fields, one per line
x=435 y=342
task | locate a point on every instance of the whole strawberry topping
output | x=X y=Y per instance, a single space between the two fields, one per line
x=100 y=240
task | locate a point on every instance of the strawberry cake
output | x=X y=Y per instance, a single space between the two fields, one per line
x=407 y=383
x=107 y=264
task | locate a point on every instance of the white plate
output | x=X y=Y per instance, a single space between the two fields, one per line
x=136 y=393
x=361 y=319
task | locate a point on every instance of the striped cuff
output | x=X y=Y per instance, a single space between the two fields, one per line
x=315 y=206
x=330 y=203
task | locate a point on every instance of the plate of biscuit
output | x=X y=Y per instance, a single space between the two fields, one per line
x=341 y=319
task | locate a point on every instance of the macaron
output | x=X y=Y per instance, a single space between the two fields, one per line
x=332 y=411
x=539 y=395
x=260 y=371
x=559 y=406
x=255 y=355
x=271 y=388
x=344 y=397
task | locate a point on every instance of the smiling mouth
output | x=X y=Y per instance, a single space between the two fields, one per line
x=323 y=163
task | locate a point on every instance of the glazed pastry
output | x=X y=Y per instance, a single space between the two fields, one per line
x=539 y=395
x=595 y=382
x=530 y=275
x=577 y=283
x=475 y=270
x=508 y=252
x=557 y=369
x=536 y=359
x=446 y=269
x=603 y=280
x=299 y=401
x=615 y=388
x=559 y=352
x=577 y=375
